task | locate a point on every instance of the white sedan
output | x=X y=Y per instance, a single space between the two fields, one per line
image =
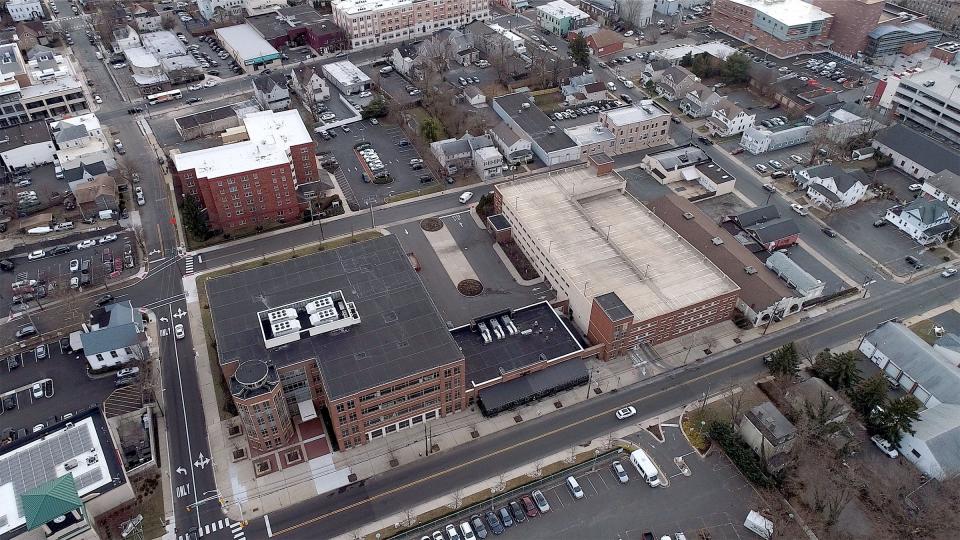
x=365 y=94
x=626 y=412
x=210 y=84
x=915 y=187
x=107 y=238
x=194 y=87
x=799 y=209
x=178 y=331
x=75 y=265
x=38 y=254
x=949 y=272
x=86 y=244
x=97 y=99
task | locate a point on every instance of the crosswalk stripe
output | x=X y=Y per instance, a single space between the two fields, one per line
x=206 y=529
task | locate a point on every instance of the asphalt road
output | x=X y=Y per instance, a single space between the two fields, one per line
x=393 y=491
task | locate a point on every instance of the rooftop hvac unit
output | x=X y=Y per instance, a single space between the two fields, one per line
x=497 y=329
x=284 y=328
x=687 y=215
x=716 y=241
x=281 y=315
x=323 y=316
x=508 y=324
x=526 y=332
x=318 y=304
x=484 y=333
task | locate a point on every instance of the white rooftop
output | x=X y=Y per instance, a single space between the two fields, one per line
x=587 y=134
x=561 y=9
x=247 y=43
x=945 y=77
x=640 y=112
x=713 y=48
x=141 y=58
x=352 y=7
x=163 y=43
x=89 y=120
x=271 y=135
x=602 y=240
x=42 y=460
x=789 y=12
x=346 y=72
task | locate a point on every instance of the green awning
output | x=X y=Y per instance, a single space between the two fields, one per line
x=49 y=501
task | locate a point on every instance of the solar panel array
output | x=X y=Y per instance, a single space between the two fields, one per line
x=36 y=465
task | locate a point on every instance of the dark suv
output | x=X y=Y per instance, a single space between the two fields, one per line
x=912 y=261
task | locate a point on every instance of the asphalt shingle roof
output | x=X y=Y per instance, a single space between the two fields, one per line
x=919 y=148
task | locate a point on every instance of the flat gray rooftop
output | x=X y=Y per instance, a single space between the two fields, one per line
x=400 y=333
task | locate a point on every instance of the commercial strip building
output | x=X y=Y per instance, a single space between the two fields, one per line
x=627 y=280
x=783 y=28
x=929 y=373
x=368 y=23
x=42 y=86
x=252 y=182
x=548 y=142
x=346 y=76
x=248 y=48
x=299 y=25
x=350 y=334
x=915 y=153
x=26 y=145
x=623 y=130
x=54 y=483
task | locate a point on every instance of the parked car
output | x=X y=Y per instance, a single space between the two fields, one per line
x=103 y=300
x=915 y=187
x=519 y=516
x=949 y=272
x=37 y=391
x=761 y=168
x=494 y=523
x=477 y=524
x=505 y=517
x=799 y=209
x=529 y=506
x=880 y=222
x=36 y=254
x=26 y=330
x=885 y=446
x=619 y=472
x=542 y=504
x=770 y=187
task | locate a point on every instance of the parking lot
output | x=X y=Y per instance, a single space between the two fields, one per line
x=59 y=277
x=713 y=499
x=63 y=382
x=384 y=139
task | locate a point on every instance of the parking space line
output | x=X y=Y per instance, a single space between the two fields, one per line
x=605 y=486
x=590 y=481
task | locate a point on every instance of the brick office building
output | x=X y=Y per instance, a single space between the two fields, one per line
x=852 y=21
x=629 y=280
x=782 y=28
x=347 y=335
x=253 y=182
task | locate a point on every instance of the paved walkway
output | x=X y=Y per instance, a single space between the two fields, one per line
x=451 y=255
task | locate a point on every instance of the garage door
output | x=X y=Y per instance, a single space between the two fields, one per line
x=906 y=382
x=921 y=394
x=892 y=370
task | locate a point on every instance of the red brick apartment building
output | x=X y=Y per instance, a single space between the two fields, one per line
x=252 y=182
x=782 y=28
x=628 y=279
x=852 y=21
x=345 y=342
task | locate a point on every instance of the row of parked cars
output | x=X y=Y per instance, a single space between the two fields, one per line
x=496 y=521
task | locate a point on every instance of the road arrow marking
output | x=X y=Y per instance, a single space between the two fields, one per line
x=154 y=252
x=181 y=470
x=180 y=313
x=201 y=461
x=164 y=319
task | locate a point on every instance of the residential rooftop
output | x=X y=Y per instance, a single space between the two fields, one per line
x=345 y=71
x=400 y=333
x=560 y=9
x=603 y=240
x=271 y=134
x=17 y=135
x=549 y=338
x=919 y=148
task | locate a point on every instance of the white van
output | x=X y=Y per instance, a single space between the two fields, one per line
x=645 y=467
x=465 y=196
x=574 y=488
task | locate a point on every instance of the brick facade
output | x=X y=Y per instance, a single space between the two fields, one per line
x=852 y=21
x=738 y=21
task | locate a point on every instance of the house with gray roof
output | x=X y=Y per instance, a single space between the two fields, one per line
x=699 y=101
x=926 y=221
x=944 y=186
x=914 y=153
x=113 y=337
x=832 y=187
x=930 y=374
x=769 y=433
x=808 y=286
x=765 y=226
x=675 y=82
x=515 y=148
x=271 y=91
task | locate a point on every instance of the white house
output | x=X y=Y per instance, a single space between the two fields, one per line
x=113 y=337
x=944 y=186
x=925 y=221
x=25 y=10
x=404 y=58
x=675 y=82
x=699 y=101
x=216 y=9
x=516 y=148
x=832 y=187
x=930 y=374
x=488 y=162
x=309 y=83
x=146 y=19
x=795 y=276
x=914 y=153
x=271 y=91
x=474 y=96
x=702 y=177
x=125 y=38
x=728 y=119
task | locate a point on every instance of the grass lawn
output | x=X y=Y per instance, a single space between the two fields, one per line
x=924 y=329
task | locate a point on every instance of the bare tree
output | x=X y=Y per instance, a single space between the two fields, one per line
x=436 y=54
x=410 y=517
x=456 y=498
x=537 y=469
x=734 y=401
x=632 y=12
